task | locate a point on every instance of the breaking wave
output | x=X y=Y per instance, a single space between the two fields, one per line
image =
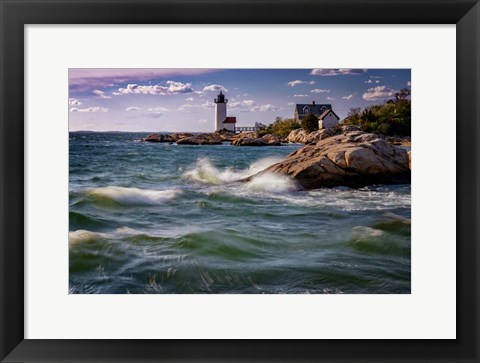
x=205 y=172
x=132 y=196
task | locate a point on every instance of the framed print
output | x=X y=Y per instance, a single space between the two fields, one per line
x=239 y=181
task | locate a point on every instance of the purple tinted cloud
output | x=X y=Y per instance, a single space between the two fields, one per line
x=89 y=79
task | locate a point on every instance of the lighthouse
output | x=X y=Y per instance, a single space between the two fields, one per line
x=220 y=111
x=222 y=122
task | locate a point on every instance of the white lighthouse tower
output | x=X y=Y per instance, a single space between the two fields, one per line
x=220 y=111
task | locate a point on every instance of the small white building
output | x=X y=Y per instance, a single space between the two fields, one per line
x=222 y=122
x=328 y=119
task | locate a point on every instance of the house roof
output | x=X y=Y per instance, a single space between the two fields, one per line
x=323 y=115
x=316 y=109
x=230 y=120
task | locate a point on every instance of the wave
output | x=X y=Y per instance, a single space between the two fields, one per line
x=133 y=196
x=205 y=172
x=373 y=240
x=82 y=236
x=274 y=183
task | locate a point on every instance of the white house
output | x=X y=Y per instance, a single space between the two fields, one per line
x=326 y=116
x=328 y=119
x=222 y=122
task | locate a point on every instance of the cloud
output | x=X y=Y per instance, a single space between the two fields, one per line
x=318 y=90
x=291 y=103
x=132 y=109
x=297 y=82
x=154 y=114
x=203 y=120
x=173 y=88
x=87 y=79
x=330 y=99
x=179 y=87
x=74 y=102
x=89 y=109
x=242 y=106
x=158 y=109
x=189 y=99
x=187 y=108
x=268 y=107
x=378 y=93
x=300 y=95
x=214 y=87
x=348 y=97
x=337 y=72
x=207 y=104
x=100 y=94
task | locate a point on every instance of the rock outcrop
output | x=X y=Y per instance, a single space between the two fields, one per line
x=158 y=138
x=200 y=139
x=252 y=139
x=303 y=137
x=352 y=159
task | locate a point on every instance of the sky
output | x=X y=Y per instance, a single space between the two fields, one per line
x=157 y=100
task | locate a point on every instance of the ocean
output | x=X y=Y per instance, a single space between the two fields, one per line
x=159 y=218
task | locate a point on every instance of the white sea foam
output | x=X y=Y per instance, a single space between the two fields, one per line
x=273 y=183
x=205 y=172
x=134 y=196
x=82 y=236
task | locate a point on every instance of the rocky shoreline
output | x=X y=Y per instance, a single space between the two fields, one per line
x=353 y=158
x=341 y=156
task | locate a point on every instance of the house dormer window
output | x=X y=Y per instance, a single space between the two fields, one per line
x=306 y=110
x=323 y=109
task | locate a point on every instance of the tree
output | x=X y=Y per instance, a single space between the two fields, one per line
x=281 y=127
x=310 y=123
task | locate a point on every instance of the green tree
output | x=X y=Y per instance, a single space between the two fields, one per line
x=310 y=123
x=281 y=127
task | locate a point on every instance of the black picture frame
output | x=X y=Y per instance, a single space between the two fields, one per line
x=15 y=14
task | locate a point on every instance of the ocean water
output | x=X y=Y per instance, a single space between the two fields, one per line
x=174 y=219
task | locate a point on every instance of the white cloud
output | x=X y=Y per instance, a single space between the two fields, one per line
x=337 y=72
x=179 y=87
x=189 y=99
x=249 y=102
x=207 y=104
x=330 y=99
x=297 y=82
x=172 y=89
x=368 y=81
x=318 y=90
x=74 y=102
x=132 y=109
x=268 y=107
x=117 y=93
x=214 y=87
x=100 y=94
x=156 y=112
x=378 y=93
x=291 y=103
x=348 y=97
x=158 y=109
x=300 y=95
x=89 y=109
x=187 y=107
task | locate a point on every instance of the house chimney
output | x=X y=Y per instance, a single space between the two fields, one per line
x=313 y=103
